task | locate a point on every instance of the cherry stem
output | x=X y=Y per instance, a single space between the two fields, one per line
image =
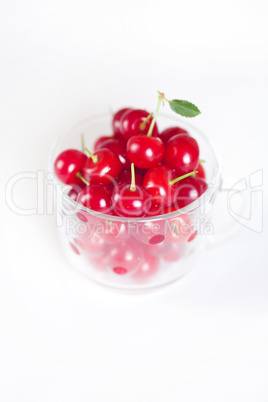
x=183 y=177
x=81 y=177
x=164 y=98
x=93 y=157
x=160 y=98
x=201 y=161
x=143 y=124
x=133 y=184
x=82 y=142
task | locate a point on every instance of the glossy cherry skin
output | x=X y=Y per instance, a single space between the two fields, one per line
x=155 y=210
x=98 y=143
x=131 y=124
x=182 y=154
x=145 y=152
x=105 y=170
x=200 y=172
x=131 y=203
x=156 y=181
x=189 y=190
x=68 y=164
x=125 y=258
x=96 y=197
x=171 y=132
x=75 y=190
x=118 y=147
x=125 y=177
x=116 y=121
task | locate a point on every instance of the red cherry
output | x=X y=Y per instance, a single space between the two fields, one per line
x=155 y=210
x=133 y=123
x=100 y=140
x=75 y=190
x=68 y=164
x=189 y=190
x=116 y=121
x=103 y=167
x=118 y=147
x=182 y=153
x=96 y=197
x=125 y=177
x=157 y=182
x=145 y=152
x=127 y=202
x=200 y=172
x=171 y=132
x=131 y=200
x=124 y=258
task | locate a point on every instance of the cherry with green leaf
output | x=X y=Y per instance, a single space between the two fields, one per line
x=147 y=151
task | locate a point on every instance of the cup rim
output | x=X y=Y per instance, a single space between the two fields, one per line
x=182 y=211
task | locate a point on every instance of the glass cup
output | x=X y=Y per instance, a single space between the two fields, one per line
x=133 y=254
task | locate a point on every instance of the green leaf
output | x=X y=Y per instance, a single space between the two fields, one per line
x=184 y=108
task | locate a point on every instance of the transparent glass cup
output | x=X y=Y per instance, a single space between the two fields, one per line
x=133 y=253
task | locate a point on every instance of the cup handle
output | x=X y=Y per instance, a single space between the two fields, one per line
x=229 y=224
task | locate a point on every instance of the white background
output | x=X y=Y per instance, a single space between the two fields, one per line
x=64 y=339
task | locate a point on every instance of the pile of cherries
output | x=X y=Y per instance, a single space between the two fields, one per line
x=136 y=172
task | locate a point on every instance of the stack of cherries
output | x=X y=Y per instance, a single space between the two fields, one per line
x=136 y=172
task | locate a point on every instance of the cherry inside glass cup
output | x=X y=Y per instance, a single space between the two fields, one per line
x=133 y=253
